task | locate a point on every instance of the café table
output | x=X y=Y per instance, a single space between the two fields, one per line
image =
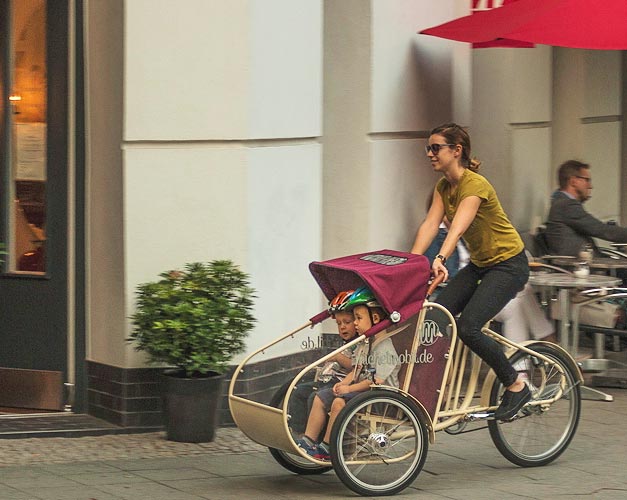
x=564 y=283
x=608 y=264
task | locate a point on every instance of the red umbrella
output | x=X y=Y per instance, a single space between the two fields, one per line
x=584 y=24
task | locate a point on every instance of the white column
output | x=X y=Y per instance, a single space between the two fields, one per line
x=385 y=88
x=511 y=127
x=221 y=147
x=588 y=121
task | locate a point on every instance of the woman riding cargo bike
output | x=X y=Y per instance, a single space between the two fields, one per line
x=378 y=440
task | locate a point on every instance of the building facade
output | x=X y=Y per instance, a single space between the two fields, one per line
x=144 y=134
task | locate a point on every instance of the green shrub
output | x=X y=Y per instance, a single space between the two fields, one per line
x=196 y=319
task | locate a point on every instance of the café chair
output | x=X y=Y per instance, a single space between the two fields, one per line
x=536 y=244
x=613 y=253
x=608 y=373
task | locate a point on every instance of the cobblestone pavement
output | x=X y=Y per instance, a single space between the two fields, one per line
x=146 y=466
x=117 y=446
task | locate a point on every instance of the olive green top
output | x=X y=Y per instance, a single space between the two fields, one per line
x=491 y=238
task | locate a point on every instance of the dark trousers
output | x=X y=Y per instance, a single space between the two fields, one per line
x=479 y=293
x=301 y=401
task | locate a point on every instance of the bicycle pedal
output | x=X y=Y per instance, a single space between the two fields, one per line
x=481 y=415
x=458 y=428
x=525 y=411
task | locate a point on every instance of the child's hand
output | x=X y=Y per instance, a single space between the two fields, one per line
x=340 y=389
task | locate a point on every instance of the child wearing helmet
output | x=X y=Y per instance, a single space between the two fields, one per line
x=332 y=372
x=378 y=364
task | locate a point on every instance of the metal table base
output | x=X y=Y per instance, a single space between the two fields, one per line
x=569 y=323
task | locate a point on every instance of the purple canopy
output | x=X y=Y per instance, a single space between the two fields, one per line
x=397 y=279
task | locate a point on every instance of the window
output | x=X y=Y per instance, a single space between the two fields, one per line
x=27 y=85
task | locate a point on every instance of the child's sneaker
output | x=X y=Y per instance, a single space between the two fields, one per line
x=308 y=445
x=323 y=452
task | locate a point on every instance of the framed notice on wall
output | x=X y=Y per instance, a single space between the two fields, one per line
x=30 y=152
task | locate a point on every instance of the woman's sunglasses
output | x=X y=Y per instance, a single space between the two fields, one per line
x=435 y=148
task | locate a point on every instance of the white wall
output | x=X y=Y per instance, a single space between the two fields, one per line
x=105 y=297
x=186 y=72
x=221 y=156
x=285 y=81
x=511 y=127
x=568 y=102
x=183 y=204
x=411 y=74
x=602 y=82
x=238 y=143
x=536 y=108
x=284 y=206
x=222 y=70
x=602 y=145
x=602 y=124
x=530 y=188
x=385 y=88
x=588 y=122
x=414 y=78
x=400 y=183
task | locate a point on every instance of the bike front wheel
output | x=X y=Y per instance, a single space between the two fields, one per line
x=378 y=443
x=540 y=433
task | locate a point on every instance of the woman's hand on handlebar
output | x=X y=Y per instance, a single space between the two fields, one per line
x=438 y=268
x=437 y=277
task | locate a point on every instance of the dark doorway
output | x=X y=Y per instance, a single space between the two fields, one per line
x=34 y=313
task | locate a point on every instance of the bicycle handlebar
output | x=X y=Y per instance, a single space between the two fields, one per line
x=435 y=281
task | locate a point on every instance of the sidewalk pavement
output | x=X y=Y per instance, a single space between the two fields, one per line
x=146 y=466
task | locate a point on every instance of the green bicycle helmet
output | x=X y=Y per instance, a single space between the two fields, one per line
x=361 y=296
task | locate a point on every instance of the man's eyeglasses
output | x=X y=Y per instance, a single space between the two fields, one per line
x=587 y=179
x=435 y=148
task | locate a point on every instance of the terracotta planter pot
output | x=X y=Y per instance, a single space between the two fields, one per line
x=190 y=406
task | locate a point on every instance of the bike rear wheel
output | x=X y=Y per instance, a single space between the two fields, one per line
x=290 y=461
x=539 y=434
x=378 y=443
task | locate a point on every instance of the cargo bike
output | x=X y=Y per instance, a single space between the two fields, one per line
x=380 y=439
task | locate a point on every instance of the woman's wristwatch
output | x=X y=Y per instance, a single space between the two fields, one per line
x=441 y=257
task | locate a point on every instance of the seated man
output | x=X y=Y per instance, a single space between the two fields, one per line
x=569 y=228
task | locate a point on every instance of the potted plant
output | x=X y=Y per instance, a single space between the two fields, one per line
x=194 y=320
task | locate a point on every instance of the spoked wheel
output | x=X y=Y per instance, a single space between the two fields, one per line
x=293 y=463
x=378 y=443
x=539 y=434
